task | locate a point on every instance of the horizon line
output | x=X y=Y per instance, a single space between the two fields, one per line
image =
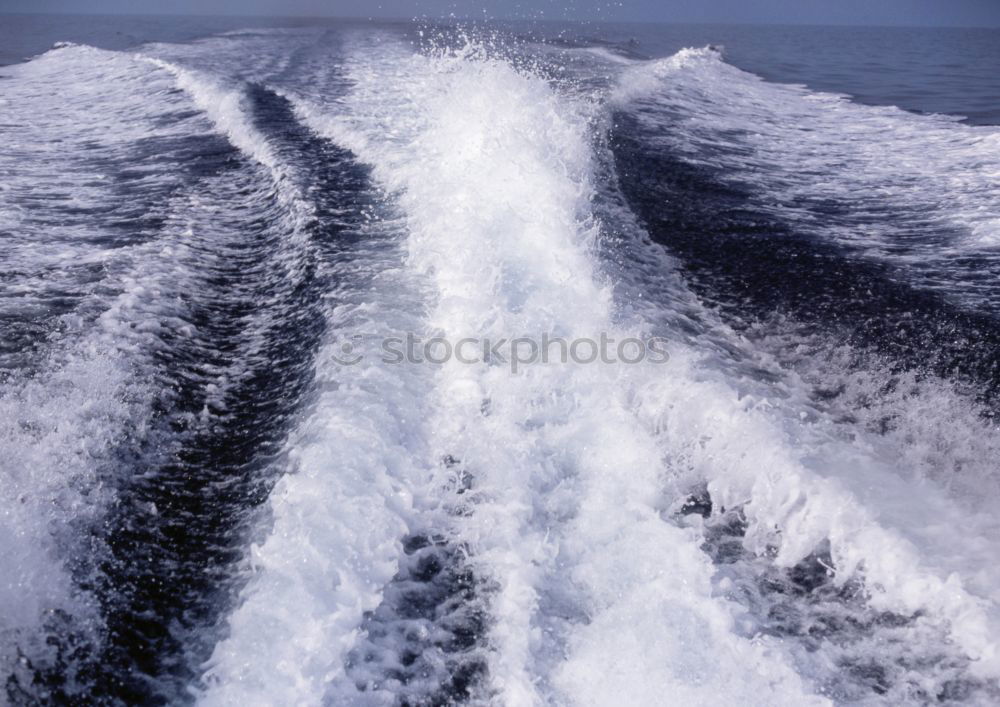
x=442 y=18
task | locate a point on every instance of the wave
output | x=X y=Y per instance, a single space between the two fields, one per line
x=910 y=190
x=68 y=411
x=559 y=510
x=705 y=128
x=157 y=434
x=564 y=491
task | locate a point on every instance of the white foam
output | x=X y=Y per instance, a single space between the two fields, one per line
x=225 y=106
x=60 y=430
x=58 y=434
x=897 y=507
x=599 y=594
x=339 y=513
x=905 y=172
x=492 y=170
x=497 y=194
x=72 y=117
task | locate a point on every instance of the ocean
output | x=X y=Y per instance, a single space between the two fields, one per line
x=415 y=363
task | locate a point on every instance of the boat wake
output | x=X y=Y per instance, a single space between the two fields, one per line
x=219 y=492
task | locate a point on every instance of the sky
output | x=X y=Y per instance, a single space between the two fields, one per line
x=968 y=13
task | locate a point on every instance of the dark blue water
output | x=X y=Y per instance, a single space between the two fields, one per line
x=948 y=70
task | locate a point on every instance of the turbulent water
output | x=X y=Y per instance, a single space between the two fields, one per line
x=217 y=489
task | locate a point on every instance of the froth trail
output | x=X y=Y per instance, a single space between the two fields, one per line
x=179 y=438
x=214 y=501
x=845 y=328
x=557 y=485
